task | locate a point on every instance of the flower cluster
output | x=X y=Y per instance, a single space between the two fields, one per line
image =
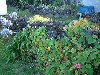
x=5 y=32
x=13 y=15
x=38 y=18
x=5 y=24
x=80 y=22
x=77 y=65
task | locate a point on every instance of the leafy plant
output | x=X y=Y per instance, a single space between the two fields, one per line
x=74 y=54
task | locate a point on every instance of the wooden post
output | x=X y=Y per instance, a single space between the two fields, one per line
x=3 y=7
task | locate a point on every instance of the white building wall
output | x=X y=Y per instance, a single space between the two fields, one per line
x=3 y=7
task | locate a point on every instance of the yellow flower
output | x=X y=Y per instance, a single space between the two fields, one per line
x=38 y=18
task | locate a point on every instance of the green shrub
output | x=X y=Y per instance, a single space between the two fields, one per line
x=68 y=56
x=24 y=42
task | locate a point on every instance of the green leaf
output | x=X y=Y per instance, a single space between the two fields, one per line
x=76 y=30
x=89 y=71
x=47 y=69
x=97 y=45
x=92 y=56
x=82 y=60
x=88 y=66
x=82 y=33
x=67 y=72
x=90 y=39
x=94 y=36
x=76 y=72
x=83 y=69
x=80 y=39
x=62 y=66
x=70 y=34
x=86 y=53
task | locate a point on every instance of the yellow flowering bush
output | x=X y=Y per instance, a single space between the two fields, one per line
x=38 y=18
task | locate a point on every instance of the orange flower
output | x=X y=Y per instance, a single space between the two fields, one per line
x=85 y=18
x=44 y=57
x=69 y=30
x=77 y=24
x=71 y=23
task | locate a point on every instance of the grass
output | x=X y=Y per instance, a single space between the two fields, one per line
x=19 y=12
x=64 y=18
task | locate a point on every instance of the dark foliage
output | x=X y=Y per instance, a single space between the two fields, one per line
x=19 y=24
x=54 y=28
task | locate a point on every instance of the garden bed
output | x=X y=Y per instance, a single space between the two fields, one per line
x=49 y=42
